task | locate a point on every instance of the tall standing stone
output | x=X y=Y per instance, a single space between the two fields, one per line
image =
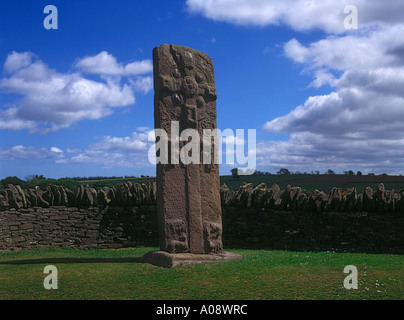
x=188 y=195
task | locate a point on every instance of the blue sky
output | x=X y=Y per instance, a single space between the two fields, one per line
x=78 y=101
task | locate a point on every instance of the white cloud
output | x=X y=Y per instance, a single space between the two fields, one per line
x=28 y=153
x=52 y=100
x=366 y=50
x=142 y=84
x=293 y=49
x=73 y=150
x=105 y=63
x=15 y=61
x=106 y=160
x=368 y=94
x=360 y=122
x=301 y=15
x=137 y=142
x=323 y=77
x=143 y=129
x=233 y=140
x=309 y=152
x=124 y=152
x=9 y=120
x=56 y=150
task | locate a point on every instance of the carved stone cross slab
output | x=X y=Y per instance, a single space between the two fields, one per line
x=188 y=195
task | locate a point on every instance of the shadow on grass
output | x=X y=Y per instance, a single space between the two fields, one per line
x=74 y=260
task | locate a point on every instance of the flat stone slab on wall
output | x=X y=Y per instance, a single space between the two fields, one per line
x=172 y=260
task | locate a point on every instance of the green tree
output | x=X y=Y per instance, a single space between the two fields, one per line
x=35 y=180
x=329 y=171
x=68 y=183
x=234 y=173
x=13 y=180
x=283 y=171
x=41 y=181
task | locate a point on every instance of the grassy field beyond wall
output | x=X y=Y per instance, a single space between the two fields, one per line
x=308 y=182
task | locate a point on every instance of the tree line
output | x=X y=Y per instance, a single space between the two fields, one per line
x=38 y=180
x=285 y=171
x=105 y=178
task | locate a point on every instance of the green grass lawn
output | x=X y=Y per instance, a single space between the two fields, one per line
x=261 y=274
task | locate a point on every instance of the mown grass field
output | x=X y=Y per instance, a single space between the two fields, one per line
x=260 y=275
x=323 y=182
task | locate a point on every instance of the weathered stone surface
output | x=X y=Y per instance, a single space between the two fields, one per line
x=15 y=198
x=335 y=199
x=167 y=260
x=57 y=196
x=79 y=194
x=188 y=195
x=243 y=195
x=258 y=195
x=226 y=195
x=48 y=195
x=3 y=200
x=102 y=197
x=22 y=196
x=272 y=194
x=368 y=199
x=89 y=197
x=40 y=200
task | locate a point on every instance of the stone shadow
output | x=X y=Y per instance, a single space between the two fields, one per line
x=74 y=260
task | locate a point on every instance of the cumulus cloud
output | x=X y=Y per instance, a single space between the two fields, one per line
x=27 y=153
x=306 y=152
x=106 y=160
x=360 y=122
x=105 y=63
x=124 y=152
x=142 y=84
x=301 y=15
x=233 y=140
x=15 y=61
x=136 y=142
x=368 y=95
x=130 y=151
x=51 y=100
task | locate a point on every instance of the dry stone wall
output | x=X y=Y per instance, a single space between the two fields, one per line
x=57 y=217
x=260 y=217
x=124 y=195
x=81 y=228
x=293 y=199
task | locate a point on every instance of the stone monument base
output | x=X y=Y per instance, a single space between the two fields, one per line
x=172 y=260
